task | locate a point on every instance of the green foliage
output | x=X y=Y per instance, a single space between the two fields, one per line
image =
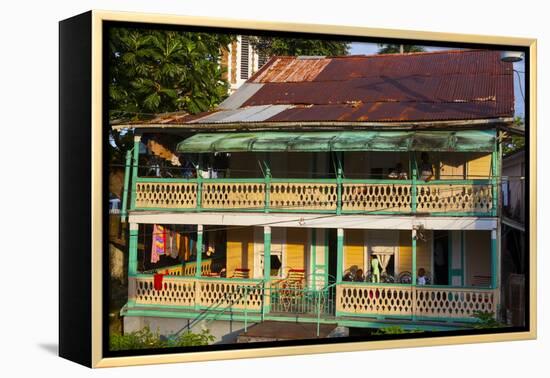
x=486 y=319
x=270 y=46
x=389 y=48
x=145 y=339
x=394 y=330
x=157 y=71
x=515 y=142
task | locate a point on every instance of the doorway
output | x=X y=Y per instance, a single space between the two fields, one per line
x=441 y=251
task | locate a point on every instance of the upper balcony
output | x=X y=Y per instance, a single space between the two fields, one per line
x=344 y=196
x=378 y=177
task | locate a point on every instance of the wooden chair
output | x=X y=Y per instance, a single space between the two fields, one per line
x=291 y=288
x=241 y=273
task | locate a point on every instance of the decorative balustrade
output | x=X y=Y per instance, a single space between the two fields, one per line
x=388 y=197
x=350 y=299
x=233 y=195
x=235 y=294
x=175 y=291
x=464 y=198
x=166 y=195
x=364 y=299
x=190 y=268
x=350 y=196
x=303 y=196
x=454 y=302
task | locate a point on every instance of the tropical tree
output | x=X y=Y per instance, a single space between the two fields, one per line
x=392 y=48
x=155 y=71
x=270 y=46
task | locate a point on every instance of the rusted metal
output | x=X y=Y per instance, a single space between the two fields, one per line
x=436 y=86
x=291 y=69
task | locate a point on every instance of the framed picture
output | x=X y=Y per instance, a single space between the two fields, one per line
x=235 y=189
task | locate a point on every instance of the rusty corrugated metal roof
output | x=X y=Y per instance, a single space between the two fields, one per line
x=435 y=86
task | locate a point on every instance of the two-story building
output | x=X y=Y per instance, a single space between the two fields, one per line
x=359 y=191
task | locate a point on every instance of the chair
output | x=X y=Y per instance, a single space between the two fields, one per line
x=291 y=288
x=241 y=273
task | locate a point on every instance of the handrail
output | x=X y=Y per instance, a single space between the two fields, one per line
x=205 y=312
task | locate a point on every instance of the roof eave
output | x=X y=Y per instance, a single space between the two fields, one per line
x=393 y=125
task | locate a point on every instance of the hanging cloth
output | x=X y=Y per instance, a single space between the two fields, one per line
x=159 y=243
x=157 y=281
x=384 y=259
x=172 y=247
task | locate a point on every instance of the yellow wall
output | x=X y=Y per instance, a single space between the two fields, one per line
x=296 y=248
x=478 y=254
x=479 y=166
x=240 y=249
x=405 y=251
x=353 y=249
x=423 y=252
x=451 y=165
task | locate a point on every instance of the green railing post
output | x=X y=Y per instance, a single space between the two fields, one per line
x=318 y=295
x=494 y=261
x=414 y=177
x=494 y=182
x=339 y=190
x=267 y=188
x=245 y=309
x=413 y=274
x=199 y=190
x=339 y=255
x=135 y=167
x=127 y=165
x=267 y=265
x=198 y=271
x=132 y=262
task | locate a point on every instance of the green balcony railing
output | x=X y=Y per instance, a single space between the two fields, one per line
x=340 y=196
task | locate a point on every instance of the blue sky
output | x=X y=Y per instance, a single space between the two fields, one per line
x=372 y=48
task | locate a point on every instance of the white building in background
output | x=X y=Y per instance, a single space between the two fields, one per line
x=242 y=61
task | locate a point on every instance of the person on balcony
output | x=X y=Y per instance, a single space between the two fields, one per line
x=375 y=267
x=421 y=280
x=359 y=277
x=426 y=168
x=398 y=173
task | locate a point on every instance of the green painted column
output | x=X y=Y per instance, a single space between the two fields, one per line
x=340 y=255
x=267 y=253
x=135 y=167
x=267 y=188
x=199 y=187
x=198 y=272
x=462 y=257
x=494 y=260
x=132 y=250
x=132 y=263
x=267 y=271
x=413 y=273
x=414 y=176
x=339 y=177
x=494 y=181
x=127 y=166
x=313 y=258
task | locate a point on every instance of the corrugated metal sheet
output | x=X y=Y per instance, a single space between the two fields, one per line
x=248 y=114
x=262 y=141
x=238 y=98
x=394 y=111
x=436 y=86
x=291 y=69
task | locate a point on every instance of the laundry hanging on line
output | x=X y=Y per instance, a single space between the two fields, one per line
x=158 y=247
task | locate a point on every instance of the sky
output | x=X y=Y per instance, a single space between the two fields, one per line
x=358 y=48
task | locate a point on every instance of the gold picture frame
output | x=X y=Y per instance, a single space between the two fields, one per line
x=95 y=23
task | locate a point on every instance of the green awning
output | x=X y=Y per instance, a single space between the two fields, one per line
x=272 y=141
